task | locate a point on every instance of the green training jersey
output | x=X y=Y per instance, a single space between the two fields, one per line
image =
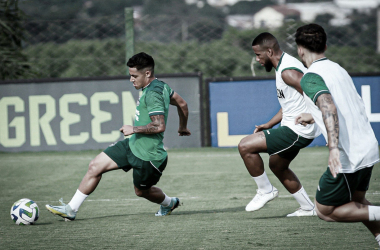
x=155 y=100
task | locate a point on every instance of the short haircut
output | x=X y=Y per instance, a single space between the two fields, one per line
x=312 y=37
x=266 y=40
x=141 y=61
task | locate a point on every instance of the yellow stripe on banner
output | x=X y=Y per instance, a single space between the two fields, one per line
x=224 y=139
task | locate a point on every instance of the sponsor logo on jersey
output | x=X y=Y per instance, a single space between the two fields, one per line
x=280 y=93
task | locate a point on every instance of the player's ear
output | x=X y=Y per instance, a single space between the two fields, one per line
x=148 y=73
x=270 y=52
x=300 y=51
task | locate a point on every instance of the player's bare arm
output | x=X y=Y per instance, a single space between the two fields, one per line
x=183 y=113
x=156 y=126
x=293 y=78
x=304 y=119
x=276 y=119
x=330 y=117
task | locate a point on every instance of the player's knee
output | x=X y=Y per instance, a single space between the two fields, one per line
x=94 y=167
x=244 y=147
x=324 y=214
x=140 y=193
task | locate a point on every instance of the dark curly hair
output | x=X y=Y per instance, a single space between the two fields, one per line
x=312 y=37
x=141 y=61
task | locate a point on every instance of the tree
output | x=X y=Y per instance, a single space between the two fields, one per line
x=13 y=63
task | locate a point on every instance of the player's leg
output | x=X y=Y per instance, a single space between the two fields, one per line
x=146 y=174
x=350 y=212
x=336 y=202
x=373 y=212
x=280 y=167
x=101 y=164
x=249 y=149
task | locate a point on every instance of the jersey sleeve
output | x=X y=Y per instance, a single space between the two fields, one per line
x=155 y=103
x=313 y=86
x=293 y=68
x=170 y=91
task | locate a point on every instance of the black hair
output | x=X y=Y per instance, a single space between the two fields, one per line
x=141 y=61
x=266 y=40
x=312 y=37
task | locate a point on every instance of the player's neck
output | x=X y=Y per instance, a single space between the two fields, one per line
x=148 y=81
x=277 y=58
x=312 y=57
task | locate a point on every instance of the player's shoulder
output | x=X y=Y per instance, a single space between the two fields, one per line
x=159 y=87
x=289 y=62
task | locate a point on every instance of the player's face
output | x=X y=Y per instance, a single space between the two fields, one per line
x=138 y=78
x=262 y=58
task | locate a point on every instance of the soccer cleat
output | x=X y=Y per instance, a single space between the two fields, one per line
x=64 y=211
x=302 y=212
x=260 y=200
x=167 y=210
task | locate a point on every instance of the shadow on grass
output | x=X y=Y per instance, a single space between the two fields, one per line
x=182 y=213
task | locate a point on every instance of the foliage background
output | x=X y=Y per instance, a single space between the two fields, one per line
x=87 y=38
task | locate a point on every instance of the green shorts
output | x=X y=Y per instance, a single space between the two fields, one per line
x=145 y=174
x=338 y=191
x=284 y=142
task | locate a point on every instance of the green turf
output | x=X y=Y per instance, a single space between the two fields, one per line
x=212 y=183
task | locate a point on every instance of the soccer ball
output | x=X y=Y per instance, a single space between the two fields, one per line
x=24 y=212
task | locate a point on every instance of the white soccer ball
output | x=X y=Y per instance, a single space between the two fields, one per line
x=24 y=212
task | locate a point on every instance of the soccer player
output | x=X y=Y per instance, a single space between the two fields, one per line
x=284 y=142
x=338 y=110
x=144 y=151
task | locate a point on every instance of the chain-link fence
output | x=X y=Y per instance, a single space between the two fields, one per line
x=97 y=46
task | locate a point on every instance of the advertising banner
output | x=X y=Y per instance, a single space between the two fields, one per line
x=80 y=114
x=236 y=106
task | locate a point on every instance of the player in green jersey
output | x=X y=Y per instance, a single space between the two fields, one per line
x=144 y=152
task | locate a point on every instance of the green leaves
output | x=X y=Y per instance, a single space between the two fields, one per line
x=13 y=63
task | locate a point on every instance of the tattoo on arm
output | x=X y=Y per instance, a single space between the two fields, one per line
x=156 y=126
x=330 y=117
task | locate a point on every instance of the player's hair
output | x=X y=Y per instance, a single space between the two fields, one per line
x=141 y=61
x=266 y=40
x=312 y=37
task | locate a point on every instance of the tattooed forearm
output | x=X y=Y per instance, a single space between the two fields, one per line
x=330 y=117
x=156 y=126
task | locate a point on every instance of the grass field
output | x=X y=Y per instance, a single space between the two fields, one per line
x=212 y=183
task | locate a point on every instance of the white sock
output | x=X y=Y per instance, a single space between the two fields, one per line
x=263 y=183
x=166 y=201
x=378 y=239
x=77 y=200
x=303 y=199
x=374 y=213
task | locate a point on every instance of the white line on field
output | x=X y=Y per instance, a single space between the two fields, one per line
x=183 y=197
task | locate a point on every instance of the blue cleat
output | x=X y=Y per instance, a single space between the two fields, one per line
x=64 y=211
x=167 y=210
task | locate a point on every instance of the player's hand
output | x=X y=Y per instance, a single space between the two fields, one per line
x=334 y=162
x=304 y=119
x=126 y=130
x=184 y=132
x=261 y=128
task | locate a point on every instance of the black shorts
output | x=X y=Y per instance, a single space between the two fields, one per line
x=145 y=174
